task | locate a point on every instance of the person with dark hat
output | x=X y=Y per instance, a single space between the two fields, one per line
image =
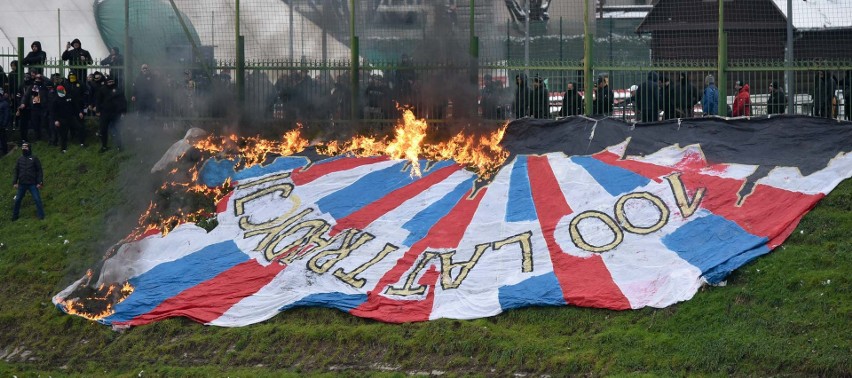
x=777 y=102
x=648 y=98
x=742 y=101
x=76 y=56
x=28 y=177
x=36 y=57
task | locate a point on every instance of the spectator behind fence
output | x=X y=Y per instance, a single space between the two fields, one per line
x=710 y=100
x=602 y=104
x=777 y=102
x=847 y=95
x=36 y=57
x=742 y=101
x=540 y=102
x=824 y=88
x=648 y=99
x=76 y=56
x=144 y=92
x=687 y=98
x=115 y=61
x=489 y=98
x=28 y=177
x=521 y=106
x=572 y=103
x=668 y=96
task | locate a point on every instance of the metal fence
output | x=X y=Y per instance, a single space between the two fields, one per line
x=459 y=65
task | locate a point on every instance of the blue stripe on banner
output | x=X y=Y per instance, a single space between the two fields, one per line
x=520 y=206
x=615 y=180
x=715 y=245
x=214 y=172
x=171 y=278
x=340 y=301
x=371 y=187
x=420 y=224
x=543 y=290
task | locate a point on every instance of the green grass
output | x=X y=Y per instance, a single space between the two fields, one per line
x=787 y=313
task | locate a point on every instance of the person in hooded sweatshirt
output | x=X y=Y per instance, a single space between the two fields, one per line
x=522 y=96
x=76 y=56
x=742 y=102
x=115 y=60
x=36 y=57
x=35 y=101
x=63 y=112
x=77 y=92
x=710 y=99
x=112 y=107
x=648 y=99
x=28 y=177
x=572 y=103
x=540 y=102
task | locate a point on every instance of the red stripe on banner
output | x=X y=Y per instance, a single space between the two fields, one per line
x=222 y=205
x=303 y=176
x=584 y=281
x=768 y=211
x=446 y=233
x=366 y=215
x=208 y=300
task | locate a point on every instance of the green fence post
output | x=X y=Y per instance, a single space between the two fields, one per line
x=20 y=62
x=128 y=56
x=588 y=37
x=241 y=73
x=722 y=79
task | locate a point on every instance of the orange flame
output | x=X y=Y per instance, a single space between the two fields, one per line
x=483 y=154
x=100 y=303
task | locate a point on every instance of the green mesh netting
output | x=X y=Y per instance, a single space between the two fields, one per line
x=155 y=30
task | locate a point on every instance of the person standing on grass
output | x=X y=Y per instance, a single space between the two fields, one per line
x=111 y=109
x=29 y=177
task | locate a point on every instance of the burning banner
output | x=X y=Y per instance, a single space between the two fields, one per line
x=575 y=211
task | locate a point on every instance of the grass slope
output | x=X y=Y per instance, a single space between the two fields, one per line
x=787 y=313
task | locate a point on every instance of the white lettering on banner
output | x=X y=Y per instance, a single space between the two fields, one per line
x=291 y=236
x=622 y=221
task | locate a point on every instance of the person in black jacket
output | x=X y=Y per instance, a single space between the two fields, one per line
x=63 y=112
x=572 y=103
x=648 y=99
x=540 y=101
x=111 y=109
x=76 y=56
x=36 y=57
x=522 y=97
x=115 y=60
x=29 y=177
x=77 y=92
x=602 y=104
x=34 y=101
x=777 y=102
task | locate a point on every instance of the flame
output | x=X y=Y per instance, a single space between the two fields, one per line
x=100 y=303
x=483 y=155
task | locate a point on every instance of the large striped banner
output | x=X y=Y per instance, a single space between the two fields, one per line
x=584 y=212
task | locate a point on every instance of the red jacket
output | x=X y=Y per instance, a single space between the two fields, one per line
x=742 y=103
